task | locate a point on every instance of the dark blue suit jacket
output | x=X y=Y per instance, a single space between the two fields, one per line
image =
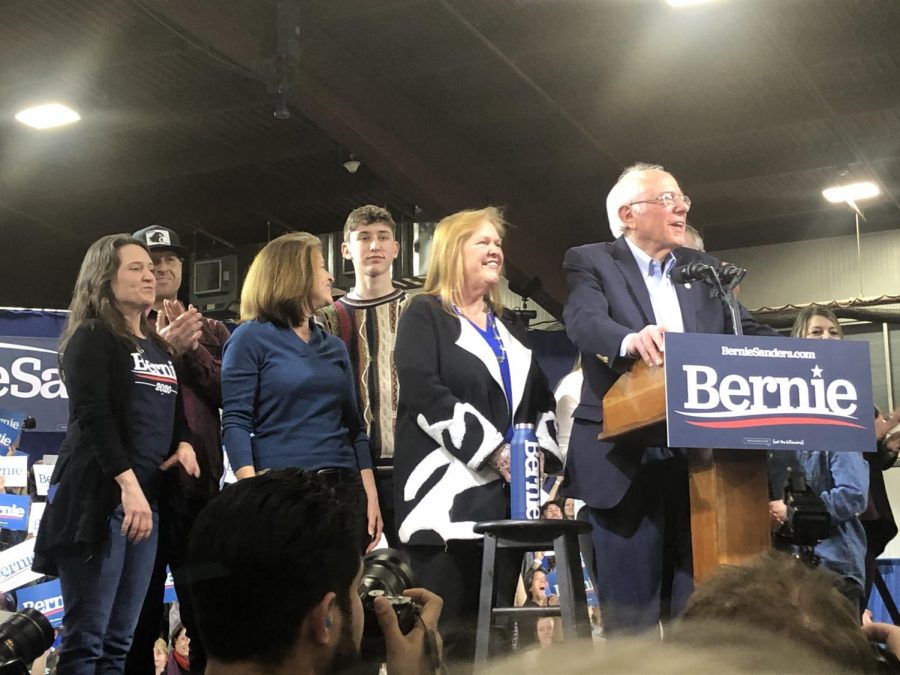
x=608 y=299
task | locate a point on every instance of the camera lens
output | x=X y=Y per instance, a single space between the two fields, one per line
x=386 y=572
x=25 y=636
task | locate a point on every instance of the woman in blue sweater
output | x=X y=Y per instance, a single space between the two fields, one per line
x=287 y=386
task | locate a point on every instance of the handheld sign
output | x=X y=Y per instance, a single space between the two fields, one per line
x=10 y=428
x=34 y=517
x=768 y=393
x=14 y=512
x=169 y=594
x=14 y=470
x=15 y=566
x=42 y=473
x=45 y=598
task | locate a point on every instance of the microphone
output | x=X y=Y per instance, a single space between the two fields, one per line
x=731 y=275
x=693 y=271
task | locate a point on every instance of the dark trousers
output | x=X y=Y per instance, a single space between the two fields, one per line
x=642 y=549
x=454 y=574
x=177 y=516
x=348 y=488
x=103 y=597
x=384 y=483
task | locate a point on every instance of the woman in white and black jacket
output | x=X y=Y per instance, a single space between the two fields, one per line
x=465 y=379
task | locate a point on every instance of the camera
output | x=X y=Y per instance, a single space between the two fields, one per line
x=24 y=636
x=386 y=573
x=807 y=522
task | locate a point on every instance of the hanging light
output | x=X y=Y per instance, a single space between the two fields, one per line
x=48 y=116
x=851 y=192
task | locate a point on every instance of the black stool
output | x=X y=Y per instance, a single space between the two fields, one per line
x=533 y=535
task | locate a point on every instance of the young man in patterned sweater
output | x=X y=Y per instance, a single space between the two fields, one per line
x=366 y=320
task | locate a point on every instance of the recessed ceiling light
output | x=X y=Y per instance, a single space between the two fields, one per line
x=687 y=3
x=48 y=116
x=851 y=192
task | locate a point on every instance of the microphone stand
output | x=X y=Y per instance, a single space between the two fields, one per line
x=724 y=293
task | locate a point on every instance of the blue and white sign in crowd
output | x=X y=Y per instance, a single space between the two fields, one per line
x=14 y=512
x=10 y=426
x=768 y=393
x=45 y=598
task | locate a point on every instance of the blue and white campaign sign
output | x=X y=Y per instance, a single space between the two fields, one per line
x=14 y=469
x=15 y=566
x=10 y=428
x=34 y=517
x=42 y=474
x=725 y=391
x=169 y=594
x=14 y=512
x=30 y=381
x=45 y=598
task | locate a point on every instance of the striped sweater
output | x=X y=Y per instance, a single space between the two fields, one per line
x=369 y=329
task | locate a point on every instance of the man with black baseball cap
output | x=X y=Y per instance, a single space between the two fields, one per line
x=198 y=343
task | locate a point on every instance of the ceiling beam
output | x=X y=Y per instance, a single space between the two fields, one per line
x=439 y=171
x=85 y=176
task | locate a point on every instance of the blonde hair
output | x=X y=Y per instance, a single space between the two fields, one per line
x=279 y=282
x=446 y=271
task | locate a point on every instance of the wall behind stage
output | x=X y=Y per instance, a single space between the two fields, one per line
x=819 y=270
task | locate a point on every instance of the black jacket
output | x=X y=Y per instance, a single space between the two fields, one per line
x=608 y=300
x=98 y=445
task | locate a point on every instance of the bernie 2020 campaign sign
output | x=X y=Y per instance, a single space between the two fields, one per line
x=768 y=393
x=45 y=598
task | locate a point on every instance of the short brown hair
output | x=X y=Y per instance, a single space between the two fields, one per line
x=279 y=282
x=368 y=215
x=445 y=277
x=777 y=593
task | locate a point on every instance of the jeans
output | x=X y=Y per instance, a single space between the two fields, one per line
x=103 y=596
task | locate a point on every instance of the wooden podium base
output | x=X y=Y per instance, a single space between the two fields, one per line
x=729 y=507
x=729 y=488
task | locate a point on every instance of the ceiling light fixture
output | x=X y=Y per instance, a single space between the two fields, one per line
x=849 y=194
x=852 y=192
x=48 y=116
x=687 y=3
x=352 y=165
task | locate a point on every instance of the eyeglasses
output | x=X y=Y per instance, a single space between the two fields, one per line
x=666 y=199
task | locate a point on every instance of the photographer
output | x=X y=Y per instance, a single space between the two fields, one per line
x=840 y=479
x=289 y=546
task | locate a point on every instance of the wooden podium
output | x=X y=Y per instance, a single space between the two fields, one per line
x=728 y=488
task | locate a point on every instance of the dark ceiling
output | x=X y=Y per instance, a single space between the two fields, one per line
x=755 y=106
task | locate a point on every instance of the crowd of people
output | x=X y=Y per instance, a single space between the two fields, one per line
x=379 y=414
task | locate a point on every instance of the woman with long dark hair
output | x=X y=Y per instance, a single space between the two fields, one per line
x=126 y=424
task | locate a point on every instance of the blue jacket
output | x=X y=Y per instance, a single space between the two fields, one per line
x=841 y=479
